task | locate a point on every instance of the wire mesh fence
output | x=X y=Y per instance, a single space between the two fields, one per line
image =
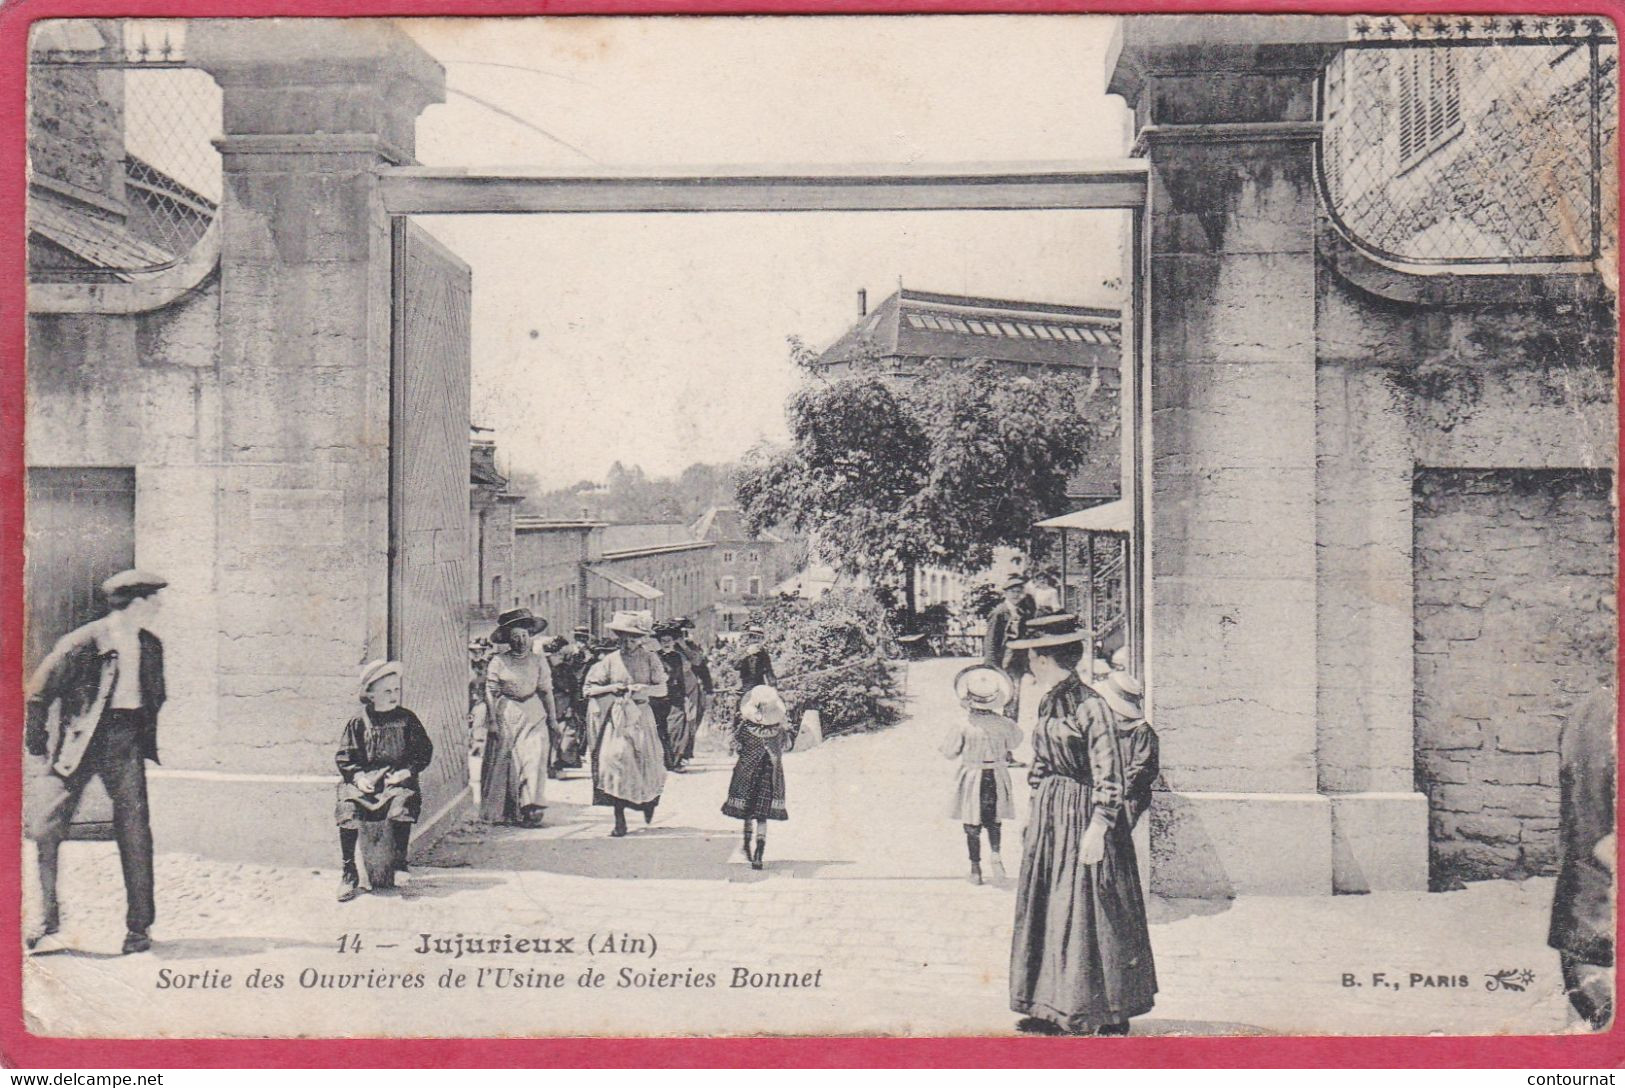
x=124 y=177
x=1473 y=140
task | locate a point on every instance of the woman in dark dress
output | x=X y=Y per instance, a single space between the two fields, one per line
x=671 y=710
x=1080 y=958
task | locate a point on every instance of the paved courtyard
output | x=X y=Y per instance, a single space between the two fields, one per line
x=863 y=903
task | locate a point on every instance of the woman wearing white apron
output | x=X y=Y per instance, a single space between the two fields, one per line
x=628 y=767
x=519 y=691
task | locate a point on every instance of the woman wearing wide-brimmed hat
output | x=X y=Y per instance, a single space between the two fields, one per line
x=1080 y=957
x=519 y=691
x=982 y=742
x=628 y=767
x=756 y=790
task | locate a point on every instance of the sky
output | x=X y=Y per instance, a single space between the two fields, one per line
x=660 y=340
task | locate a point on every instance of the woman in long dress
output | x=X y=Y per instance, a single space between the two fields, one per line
x=679 y=728
x=519 y=692
x=698 y=692
x=628 y=767
x=1080 y=958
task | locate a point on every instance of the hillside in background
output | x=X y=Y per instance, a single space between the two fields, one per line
x=628 y=494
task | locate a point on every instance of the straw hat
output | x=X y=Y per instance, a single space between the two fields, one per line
x=763 y=706
x=984 y=687
x=1056 y=629
x=630 y=623
x=1122 y=692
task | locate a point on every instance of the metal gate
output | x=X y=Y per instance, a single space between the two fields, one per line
x=429 y=467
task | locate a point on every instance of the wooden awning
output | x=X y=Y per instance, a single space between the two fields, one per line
x=640 y=589
x=1111 y=517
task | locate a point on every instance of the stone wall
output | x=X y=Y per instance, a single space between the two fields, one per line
x=1466 y=444
x=500 y=560
x=686 y=577
x=143 y=391
x=1515 y=623
x=548 y=574
x=1525 y=113
x=76 y=126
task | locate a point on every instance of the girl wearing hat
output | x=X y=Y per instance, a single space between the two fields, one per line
x=756 y=791
x=628 y=767
x=519 y=691
x=1135 y=738
x=1080 y=958
x=982 y=743
x=381 y=753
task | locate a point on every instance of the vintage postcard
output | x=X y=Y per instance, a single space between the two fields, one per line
x=999 y=525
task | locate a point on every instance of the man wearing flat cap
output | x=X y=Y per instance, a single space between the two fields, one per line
x=92 y=711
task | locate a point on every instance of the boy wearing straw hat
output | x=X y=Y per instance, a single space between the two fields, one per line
x=982 y=743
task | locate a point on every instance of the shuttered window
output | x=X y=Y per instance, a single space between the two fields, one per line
x=1429 y=102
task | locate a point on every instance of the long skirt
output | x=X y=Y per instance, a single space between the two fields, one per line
x=1080 y=956
x=629 y=766
x=695 y=704
x=513 y=770
x=679 y=733
x=756 y=791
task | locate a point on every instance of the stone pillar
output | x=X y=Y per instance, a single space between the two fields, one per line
x=1278 y=493
x=1225 y=113
x=1366 y=726
x=311 y=109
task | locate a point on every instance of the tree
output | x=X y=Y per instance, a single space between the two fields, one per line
x=891 y=473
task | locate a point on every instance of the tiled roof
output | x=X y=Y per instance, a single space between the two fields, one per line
x=926 y=324
x=100 y=243
x=625 y=536
x=726 y=523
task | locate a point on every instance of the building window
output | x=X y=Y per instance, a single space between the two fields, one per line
x=727 y=557
x=755 y=559
x=728 y=584
x=1429 y=103
x=755 y=587
x=496 y=590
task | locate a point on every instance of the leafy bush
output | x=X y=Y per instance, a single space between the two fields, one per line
x=980 y=599
x=834 y=655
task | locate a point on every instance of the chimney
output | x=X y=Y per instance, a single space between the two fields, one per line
x=863 y=302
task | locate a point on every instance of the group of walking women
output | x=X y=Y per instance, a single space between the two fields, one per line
x=646 y=691
x=611 y=692
x=1080 y=960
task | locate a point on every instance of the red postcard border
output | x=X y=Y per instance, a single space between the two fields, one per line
x=21 y=1049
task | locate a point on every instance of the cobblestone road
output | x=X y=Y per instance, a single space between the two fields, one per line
x=864 y=887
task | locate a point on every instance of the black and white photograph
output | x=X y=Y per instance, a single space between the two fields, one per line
x=914 y=526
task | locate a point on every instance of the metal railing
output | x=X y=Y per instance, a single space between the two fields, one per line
x=1472 y=141
x=124 y=175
